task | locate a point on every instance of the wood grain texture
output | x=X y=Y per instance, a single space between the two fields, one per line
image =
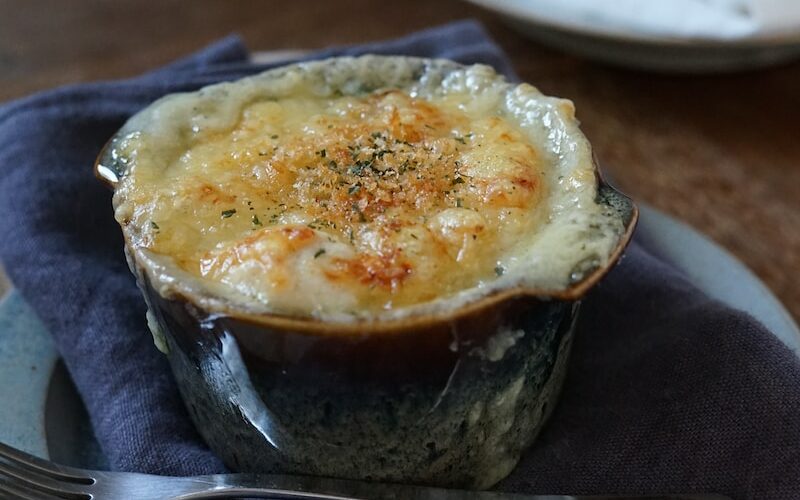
x=719 y=152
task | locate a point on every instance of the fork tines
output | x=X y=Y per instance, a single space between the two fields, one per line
x=25 y=476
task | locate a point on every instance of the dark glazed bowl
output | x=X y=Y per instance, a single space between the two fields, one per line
x=449 y=397
x=450 y=401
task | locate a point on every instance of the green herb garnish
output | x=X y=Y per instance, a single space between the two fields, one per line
x=361 y=216
x=356 y=169
x=256 y=222
x=319 y=252
x=499 y=270
x=227 y=213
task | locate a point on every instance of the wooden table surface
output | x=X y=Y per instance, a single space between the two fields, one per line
x=719 y=152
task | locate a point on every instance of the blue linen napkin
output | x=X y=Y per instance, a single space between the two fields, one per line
x=667 y=390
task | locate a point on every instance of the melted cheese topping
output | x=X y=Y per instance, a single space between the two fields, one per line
x=316 y=202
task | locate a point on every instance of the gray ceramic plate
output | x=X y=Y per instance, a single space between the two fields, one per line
x=634 y=45
x=42 y=413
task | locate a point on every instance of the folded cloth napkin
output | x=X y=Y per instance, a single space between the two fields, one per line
x=667 y=390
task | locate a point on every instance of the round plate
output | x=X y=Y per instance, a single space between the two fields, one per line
x=631 y=39
x=50 y=421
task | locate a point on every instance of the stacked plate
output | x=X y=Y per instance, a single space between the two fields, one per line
x=690 y=36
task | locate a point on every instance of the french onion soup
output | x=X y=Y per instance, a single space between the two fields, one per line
x=308 y=195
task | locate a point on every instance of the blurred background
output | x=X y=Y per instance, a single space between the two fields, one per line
x=720 y=151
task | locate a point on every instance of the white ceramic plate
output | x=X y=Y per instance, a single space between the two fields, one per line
x=647 y=44
x=41 y=412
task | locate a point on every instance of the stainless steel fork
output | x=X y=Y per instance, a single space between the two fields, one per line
x=23 y=476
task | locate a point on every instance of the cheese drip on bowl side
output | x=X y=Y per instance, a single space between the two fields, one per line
x=368 y=187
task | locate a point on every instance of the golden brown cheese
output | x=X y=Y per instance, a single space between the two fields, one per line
x=386 y=199
x=300 y=192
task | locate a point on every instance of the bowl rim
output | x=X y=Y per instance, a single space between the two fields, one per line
x=360 y=326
